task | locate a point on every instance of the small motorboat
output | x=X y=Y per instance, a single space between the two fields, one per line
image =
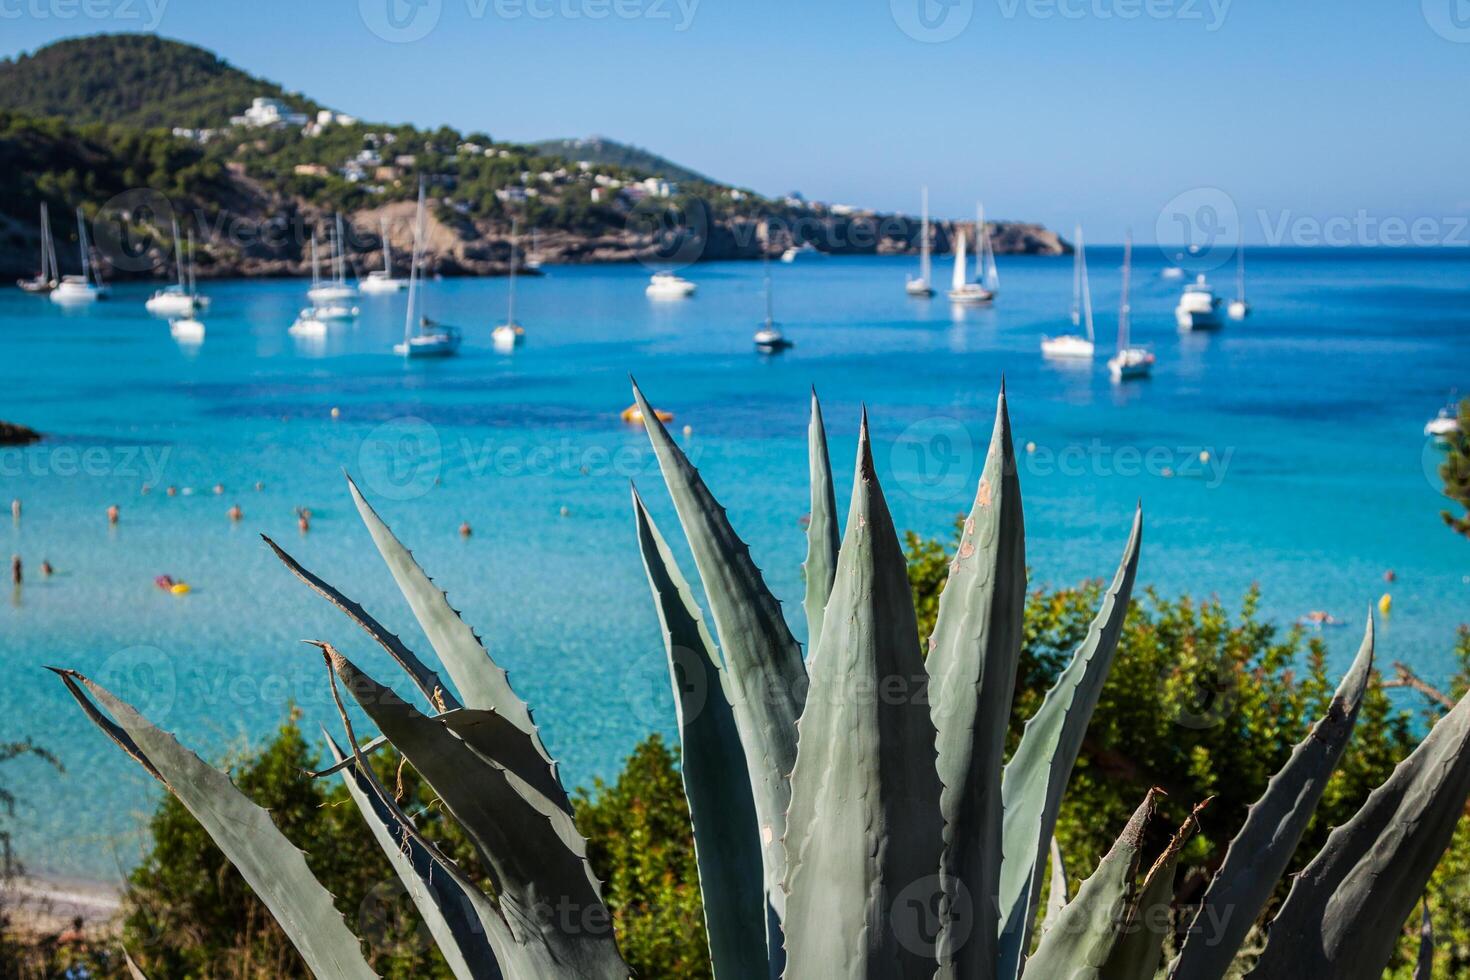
x=666 y=285
x=170 y=301
x=336 y=311
x=308 y=324
x=1445 y=425
x=1199 y=307
x=186 y=329
x=804 y=250
x=507 y=336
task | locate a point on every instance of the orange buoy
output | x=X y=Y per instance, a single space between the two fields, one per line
x=634 y=415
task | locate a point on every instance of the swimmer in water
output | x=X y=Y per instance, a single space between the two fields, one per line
x=235 y=513
x=112 y=514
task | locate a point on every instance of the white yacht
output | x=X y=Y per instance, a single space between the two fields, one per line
x=1239 y=309
x=337 y=311
x=1173 y=272
x=1075 y=345
x=381 y=281
x=510 y=334
x=769 y=339
x=337 y=289
x=1446 y=424
x=922 y=285
x=46 y=279
x=87 y=287
x=186 y=329
x=1199 y=307
x=179 y=299
x=804 y=250
x=666 y=285
x=532 y=262
x=308 y=324
x=961 y=290
x=430 y=339
x=1129 y=362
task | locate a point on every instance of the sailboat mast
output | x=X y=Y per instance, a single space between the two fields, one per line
x=341 y=252
x=1086 y=289
x=193 y=283
x=86 y=248
x=766 y=272
x=178 y=252
x=957 y=281
x=316 y=274
x=48 y=271
x=510 y=316
x=1123 y=308
x=1240 y=271
x=413 y=270
x=924 y=263
x=1077 y=278
x=387 y=250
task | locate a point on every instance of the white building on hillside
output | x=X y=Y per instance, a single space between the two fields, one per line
x=265 y=112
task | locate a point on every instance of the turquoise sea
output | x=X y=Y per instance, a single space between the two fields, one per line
x=1318 y=478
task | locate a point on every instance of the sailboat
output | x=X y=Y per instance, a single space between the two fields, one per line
x=769 y=339
x=381 y=280
x=188 y=328
x=87 y=287
x=338 y=290
x=961 y=290
x=533 y=257
x=45 y=281
x=985 y=271
x=1239 y=309
x=1074 y=345
x=430 y=339
x=1129 y=362
x=921 y=286
x=509 y=334
x=178 y=300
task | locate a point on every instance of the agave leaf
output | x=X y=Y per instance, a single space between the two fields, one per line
x=1259 y=854
x=454 y=910
x=427 y=680
x=972 y=669
x=133 y=970
x=1057 y=895
x=763 y=666
x=863 y=836
x=1343 y=914
x=270 y=864
x=726 y=843
x=822 y=535
x=545 y=890
x=1036 y=776
x=1087 y=930
x=1140 y=947
x=1424 y=967
x=481 y=682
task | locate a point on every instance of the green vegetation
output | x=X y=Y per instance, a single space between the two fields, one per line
x=1199 y=704
x=137 y=80
x=622 y=156
x=1455 y=472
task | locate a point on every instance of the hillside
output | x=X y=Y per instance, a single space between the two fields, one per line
x=599 y=149
x=138 y=80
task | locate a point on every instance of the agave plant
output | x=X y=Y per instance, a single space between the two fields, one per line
x=854 y=813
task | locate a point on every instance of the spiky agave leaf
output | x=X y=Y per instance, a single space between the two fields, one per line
x=1057 y=894
x=424 y=677
x=1343 y=914
x=1259 y=854
x=273 y=867
x=457 y=914
x=1424 y=966
x=726 y=843
x=763 y=665
x=133 y=970
x=823 y=537
x=1036 y=776
x=863 y=835
x=972 y=670
x=544 y=888
x=1140 y=946
x=481 y=682
x=1087 y=930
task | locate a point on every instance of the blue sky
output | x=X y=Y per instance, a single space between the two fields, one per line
x=1300 y=117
